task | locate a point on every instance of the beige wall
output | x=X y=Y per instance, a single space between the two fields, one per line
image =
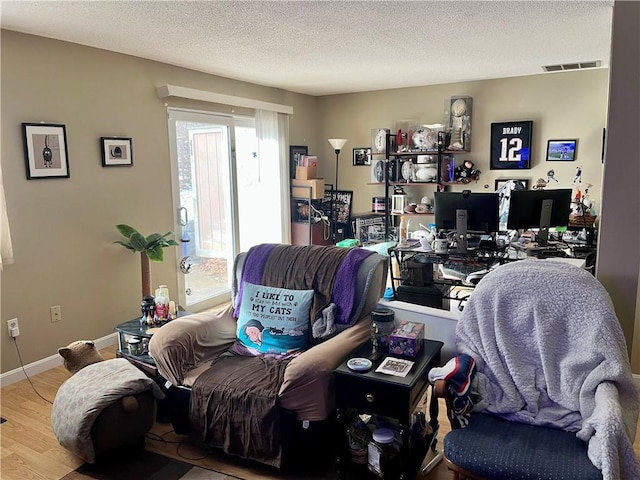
x=565 y=105
x=63 y=229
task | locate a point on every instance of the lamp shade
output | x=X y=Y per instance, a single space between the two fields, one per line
x=337 y=143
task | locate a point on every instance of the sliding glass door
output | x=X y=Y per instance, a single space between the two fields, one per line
x=218 y=192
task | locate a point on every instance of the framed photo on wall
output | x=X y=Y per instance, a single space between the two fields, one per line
x=561 y=150
x=511 y=145
x=499 y=182
x=361 y=156
x=295 y=152
x=45 y=150
x=116 y=152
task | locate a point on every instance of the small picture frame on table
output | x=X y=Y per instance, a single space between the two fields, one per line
x=45 y=150
x=561 y=150
x=295 y=152
x=116 y=151
x=361 y=156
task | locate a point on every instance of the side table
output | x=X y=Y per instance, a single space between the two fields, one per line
x=133 y=328
x=389 y=396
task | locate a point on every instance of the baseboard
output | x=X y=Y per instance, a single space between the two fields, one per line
x=48 y=363
x=636 y=380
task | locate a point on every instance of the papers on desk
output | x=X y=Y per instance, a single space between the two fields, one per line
x=398 y=367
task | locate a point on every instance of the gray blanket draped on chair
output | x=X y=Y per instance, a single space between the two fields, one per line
x=521 y=333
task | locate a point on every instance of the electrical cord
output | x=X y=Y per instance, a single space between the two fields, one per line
x=182 y=443
x=25 y=372
x=179 y=443
x=326 y=230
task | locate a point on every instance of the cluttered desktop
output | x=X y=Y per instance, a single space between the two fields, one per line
x=474 y=233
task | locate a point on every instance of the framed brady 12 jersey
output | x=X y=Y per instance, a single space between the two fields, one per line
x=511 y=145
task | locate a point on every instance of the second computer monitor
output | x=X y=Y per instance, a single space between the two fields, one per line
x=540 y=209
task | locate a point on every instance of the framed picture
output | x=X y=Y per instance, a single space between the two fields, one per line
x=341 y=200
x=499 y=182
x=361 y=156
x=561 y=150
x=116 y=152
x=45 y=150
x=295 y=152
x=511 y=145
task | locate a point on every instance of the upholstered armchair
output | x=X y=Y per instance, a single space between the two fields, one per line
x=287 y=420
x=541 y=388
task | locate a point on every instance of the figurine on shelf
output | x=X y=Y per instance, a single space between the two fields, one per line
x=460 y=118
x=541 y=183
x=466 y=172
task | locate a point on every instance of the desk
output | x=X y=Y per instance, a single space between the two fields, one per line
x=427 y=278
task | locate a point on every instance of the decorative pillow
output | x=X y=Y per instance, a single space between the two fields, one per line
x=272 y=321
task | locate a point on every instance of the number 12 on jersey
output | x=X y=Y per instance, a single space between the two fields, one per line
x=511 y=145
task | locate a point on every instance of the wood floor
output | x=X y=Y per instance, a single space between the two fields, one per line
x=29 y=449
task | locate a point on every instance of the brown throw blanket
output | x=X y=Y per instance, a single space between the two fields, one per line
x=301 y=267
x=235 y=407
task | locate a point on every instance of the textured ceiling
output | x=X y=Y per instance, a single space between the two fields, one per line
x=329 y=47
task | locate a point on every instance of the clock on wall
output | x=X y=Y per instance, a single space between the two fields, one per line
x=511 y=145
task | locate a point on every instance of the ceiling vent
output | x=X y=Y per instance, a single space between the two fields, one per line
x=572 y=66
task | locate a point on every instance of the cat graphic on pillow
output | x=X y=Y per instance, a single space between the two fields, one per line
x=272 y=321
x=256 y=337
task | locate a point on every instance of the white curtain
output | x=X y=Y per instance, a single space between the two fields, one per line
x=6 y=250
x=272 y=130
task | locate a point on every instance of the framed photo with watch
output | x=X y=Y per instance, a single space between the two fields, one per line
x=361 y=156
x=511 y=145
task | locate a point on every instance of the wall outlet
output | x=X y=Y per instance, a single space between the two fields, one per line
x=56 y=314
x=13 y=327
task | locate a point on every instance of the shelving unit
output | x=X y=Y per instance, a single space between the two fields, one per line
x=442 y=154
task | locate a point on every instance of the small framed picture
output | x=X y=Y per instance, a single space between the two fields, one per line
x=361 y=156
x=116 y=152
x=45 y=150
x=295 y=152
x=561 y=150
x=499 y=182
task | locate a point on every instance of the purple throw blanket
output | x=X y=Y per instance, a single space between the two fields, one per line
x=344 y=288
x=253 y=269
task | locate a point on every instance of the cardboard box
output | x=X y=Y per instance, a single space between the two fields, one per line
x=305 y=173
x=406 y=340
x=300 y=188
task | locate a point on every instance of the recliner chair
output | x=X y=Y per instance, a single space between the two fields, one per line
x=552 y=390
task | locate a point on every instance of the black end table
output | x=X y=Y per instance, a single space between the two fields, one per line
x=133 y=328
x=389 y=396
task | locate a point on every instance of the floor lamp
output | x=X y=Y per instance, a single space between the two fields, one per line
x=337 y=144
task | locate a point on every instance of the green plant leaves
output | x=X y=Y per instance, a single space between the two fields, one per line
x=155 y=254
x=152 y=244
x=126 y=230
x=138 y=242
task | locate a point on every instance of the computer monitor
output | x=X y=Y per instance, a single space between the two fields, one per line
x=466 y=212
x=540 y=209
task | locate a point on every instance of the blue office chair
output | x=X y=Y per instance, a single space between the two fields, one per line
x=543 y=365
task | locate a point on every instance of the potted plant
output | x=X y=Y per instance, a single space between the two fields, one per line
x=150 y=249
